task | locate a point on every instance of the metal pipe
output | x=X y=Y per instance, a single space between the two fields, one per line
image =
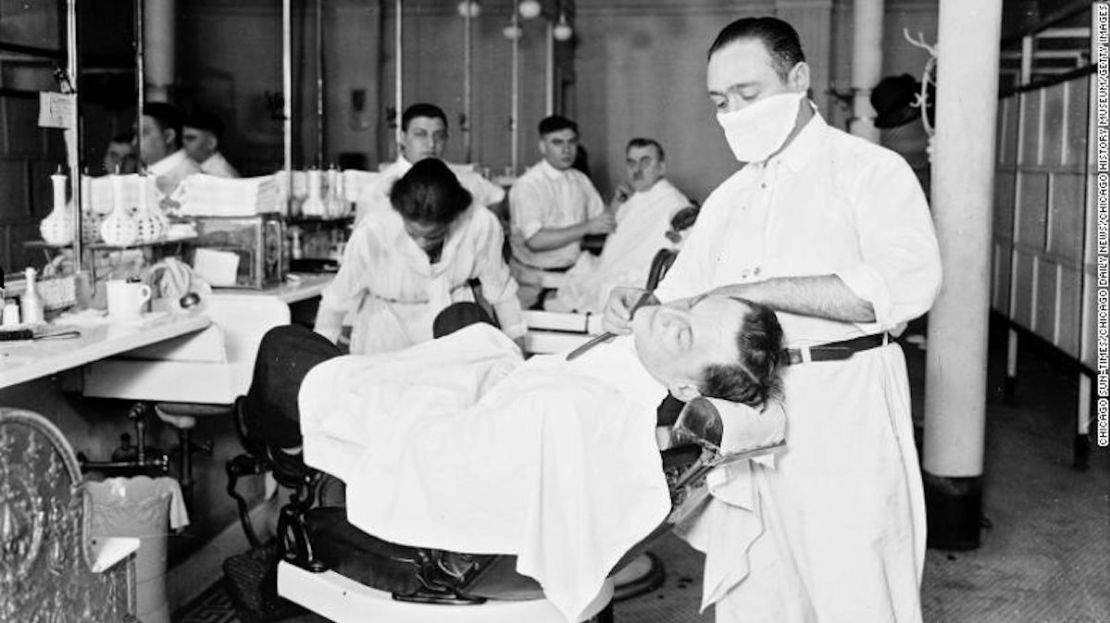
x=287 y=96
x=159 y=43
x=468 y=61
x=515 y=105
x=549 y=71
x=320 y=111
x=140 y=78
x=73 y=155
x=398 y=80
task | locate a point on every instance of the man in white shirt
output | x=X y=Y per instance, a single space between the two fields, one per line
x=202 y=134
x=834 y=233
x=552 y=207
x=424 y=135
x=644 y=206
x=160 y=148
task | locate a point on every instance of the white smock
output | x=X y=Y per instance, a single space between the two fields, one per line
x=170 y=171
x=843 y=511
x=455 y=444
x=393 y=292
x=642 y=224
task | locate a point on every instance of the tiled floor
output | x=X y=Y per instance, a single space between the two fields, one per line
x=1044 y=558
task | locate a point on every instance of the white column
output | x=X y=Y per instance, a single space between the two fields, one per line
x=963 y=181
x=160 y=39
x=867 y=64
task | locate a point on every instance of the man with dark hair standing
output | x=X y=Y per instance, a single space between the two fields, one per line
x=202 y=134
x=424 y=135
x=551 y=208
x=834 y=233
x=161 y=148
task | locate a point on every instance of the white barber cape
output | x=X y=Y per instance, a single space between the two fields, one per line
x=642 y=223
x=455 y=444
x=170 y=171
x=390 y=291
x=844 y=507
x=375 y=197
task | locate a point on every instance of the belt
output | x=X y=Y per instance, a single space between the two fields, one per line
x=835 y=351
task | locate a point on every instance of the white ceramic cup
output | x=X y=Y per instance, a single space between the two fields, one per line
x=126 y=300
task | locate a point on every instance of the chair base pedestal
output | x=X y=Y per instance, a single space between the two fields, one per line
x=344 y=600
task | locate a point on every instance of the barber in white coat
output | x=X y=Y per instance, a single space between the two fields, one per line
x=834 y=233
x=404 y=265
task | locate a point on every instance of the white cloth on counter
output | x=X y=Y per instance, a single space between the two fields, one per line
x=642 y=223
x=211 y=195
x=394 y=292
x=375 y=197
x=455 y=444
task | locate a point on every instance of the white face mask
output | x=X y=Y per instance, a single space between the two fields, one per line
x=759 y=129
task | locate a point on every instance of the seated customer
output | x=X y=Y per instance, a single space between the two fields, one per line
x=202 y=133
x=404 y=265
x=457 y=444
x=552 y=207
x=644 y=207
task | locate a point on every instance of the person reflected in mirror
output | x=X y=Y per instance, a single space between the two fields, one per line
x=202 y=134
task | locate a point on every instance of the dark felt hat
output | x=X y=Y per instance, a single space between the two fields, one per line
x=892 y=100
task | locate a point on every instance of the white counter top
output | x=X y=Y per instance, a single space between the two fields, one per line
x=297 y=287
x=26 y=360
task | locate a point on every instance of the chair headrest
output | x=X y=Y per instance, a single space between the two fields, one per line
x=730 y=426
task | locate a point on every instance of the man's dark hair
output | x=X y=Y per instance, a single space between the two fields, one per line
x=124 y=137
x=204 y=120
x=422 y=109
x=555 y=123
x=167 y=116
x=647 y=142
x=429 y=193
x=755 y=377
x=779 y=37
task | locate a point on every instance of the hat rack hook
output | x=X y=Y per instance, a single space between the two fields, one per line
x=922 y=99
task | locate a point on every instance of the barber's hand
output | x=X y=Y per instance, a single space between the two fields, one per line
x=618 y=316
x=604 y=223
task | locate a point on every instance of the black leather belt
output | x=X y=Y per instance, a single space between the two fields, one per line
x=835 y=351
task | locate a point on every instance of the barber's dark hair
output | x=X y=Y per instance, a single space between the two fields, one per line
x=640 y=141
x=429 y=193
x=124 y=137
x=756 y=377
x=555 y=123
x=422 y=109
x=167 y=116
x=204 y=120
x=779 y=37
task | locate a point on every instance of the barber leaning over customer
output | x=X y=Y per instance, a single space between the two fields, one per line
x=834 y=233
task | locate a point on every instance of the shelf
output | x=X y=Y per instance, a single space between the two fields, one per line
x=101 y=246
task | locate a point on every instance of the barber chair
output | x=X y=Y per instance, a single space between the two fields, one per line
x=50 y=568
x=345 y=574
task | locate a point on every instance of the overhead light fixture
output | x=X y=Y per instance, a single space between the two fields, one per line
x=512 y=31
x=562 y=30
x=530 y=9
x=470 y=8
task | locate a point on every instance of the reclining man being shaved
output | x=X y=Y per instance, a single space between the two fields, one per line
x=458 y=444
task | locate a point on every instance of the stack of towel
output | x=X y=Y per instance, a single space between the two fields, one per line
x=208 y=195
